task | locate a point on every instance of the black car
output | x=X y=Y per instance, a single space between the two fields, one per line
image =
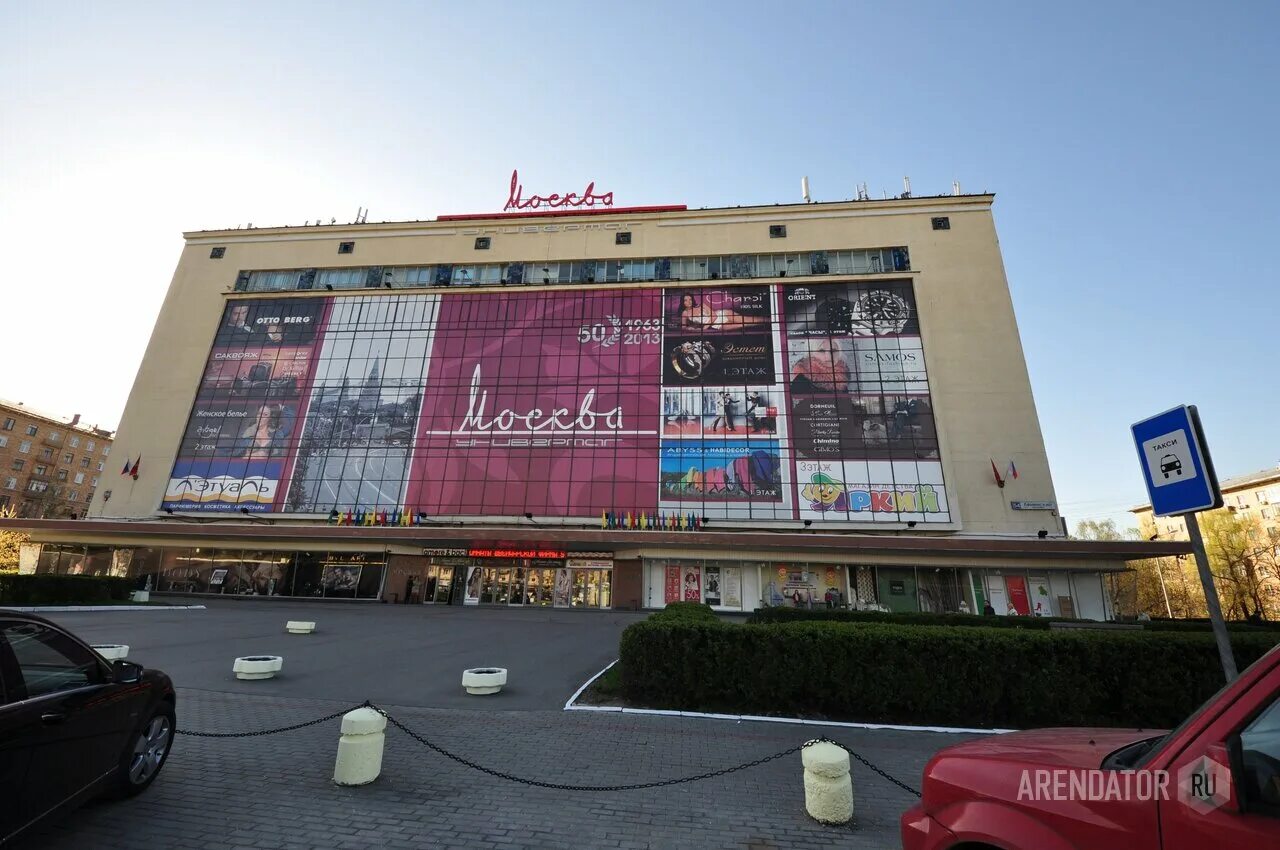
x=73 y=725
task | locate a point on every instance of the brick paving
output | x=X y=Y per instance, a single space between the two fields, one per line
x=275 y=791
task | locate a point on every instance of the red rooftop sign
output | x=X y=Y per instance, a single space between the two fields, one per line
x=588 y=198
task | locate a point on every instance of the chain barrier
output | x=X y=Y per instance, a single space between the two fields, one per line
x=557 y=786
x=261 y=732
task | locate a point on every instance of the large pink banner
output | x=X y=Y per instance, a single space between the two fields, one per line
x=542 y=405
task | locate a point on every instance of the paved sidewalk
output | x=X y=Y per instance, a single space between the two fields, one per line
x=275 y=791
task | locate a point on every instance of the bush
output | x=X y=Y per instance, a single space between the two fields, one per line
x=982 y=677
x=685 y=612
x=62 y=590
x=794 y=615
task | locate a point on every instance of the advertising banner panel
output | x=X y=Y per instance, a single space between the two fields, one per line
x=671 y=587
x=547 y=405
x=764 y=401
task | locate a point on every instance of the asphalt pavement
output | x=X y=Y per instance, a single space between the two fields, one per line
x=410 y=655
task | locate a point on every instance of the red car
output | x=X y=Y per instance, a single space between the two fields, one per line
x=1214 y=782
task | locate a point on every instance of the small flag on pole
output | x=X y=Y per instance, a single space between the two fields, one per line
x=1012 y=471
x=127 y=464
x=137 y=464
x=996 y=473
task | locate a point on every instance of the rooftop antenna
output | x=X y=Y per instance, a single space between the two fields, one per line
x=862 y=192
x=955 y=187
x=906 y=187
x=804 y=190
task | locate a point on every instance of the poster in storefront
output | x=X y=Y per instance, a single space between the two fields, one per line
x=733 y=587
x=564 y=586
x=1041 y=598
x=341 y=580
x=713 y=591
x=671 y=586
x=1018 y=603
x=475 y=575
x=692 y=584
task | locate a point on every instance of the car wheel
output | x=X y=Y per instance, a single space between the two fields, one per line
x=146 y=753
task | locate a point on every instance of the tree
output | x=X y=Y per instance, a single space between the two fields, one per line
x=10 y=541
x=1245 y=561
x=1150 y=581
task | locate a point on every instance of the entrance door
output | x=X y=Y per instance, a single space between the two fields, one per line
x=443 y=585
x=517 y=587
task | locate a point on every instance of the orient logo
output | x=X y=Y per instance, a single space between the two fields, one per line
x=588 y=198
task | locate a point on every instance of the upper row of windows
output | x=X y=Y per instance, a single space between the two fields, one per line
x=51 y=435
x=734 y=266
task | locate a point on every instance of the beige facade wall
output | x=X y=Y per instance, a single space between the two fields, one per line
x=980 y=388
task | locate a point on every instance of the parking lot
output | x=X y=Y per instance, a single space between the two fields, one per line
x=276 y=791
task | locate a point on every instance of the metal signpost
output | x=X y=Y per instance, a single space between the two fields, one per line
x=1181 y=481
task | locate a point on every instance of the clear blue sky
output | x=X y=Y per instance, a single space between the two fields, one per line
x=1132 y=147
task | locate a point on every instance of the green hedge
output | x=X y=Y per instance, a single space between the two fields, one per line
x=922 y=675
x=685 y=611
x=794 y=615
x=62 y=590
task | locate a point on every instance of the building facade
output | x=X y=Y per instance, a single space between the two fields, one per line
x=1252 y=497
x=50 y=467
x=787 y=405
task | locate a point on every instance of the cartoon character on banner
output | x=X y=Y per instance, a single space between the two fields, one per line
x=825 y=493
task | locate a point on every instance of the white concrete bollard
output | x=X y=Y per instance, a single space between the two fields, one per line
x=484 y=680
x=140 y=596
x=828 y=791
x=112 y=651
x=257 y=666
x=360 y=748
x=299 y=627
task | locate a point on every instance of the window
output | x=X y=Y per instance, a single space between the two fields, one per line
x=84 y=463
x=99 y=466
x=346 y=247
x=79 y=477
x=623 y=238
x=46 y=454
x=88 y=447
x=4 y=441
x=106 y=451
x=217 y=253
x=1260 y=750
x=55 y=435
x=93 y=482
x=777 y=231
x=483 y=243
x=75 y=442
x=8 y=424
x=49 y=660
x=32 y=430
x=40 y=469
x=24 y=446
x=18 y=464
x=941 y=222
x=74 y=496
x=11 y=483
x=68 y=458
x=62 y=475
x=37 y=486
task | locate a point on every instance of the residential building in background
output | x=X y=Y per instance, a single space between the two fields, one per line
x=1251 y=497
x=50 y=466
x=593 y=407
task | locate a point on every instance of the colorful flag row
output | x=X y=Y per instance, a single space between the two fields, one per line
x=396 y=517
x=656 y=521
